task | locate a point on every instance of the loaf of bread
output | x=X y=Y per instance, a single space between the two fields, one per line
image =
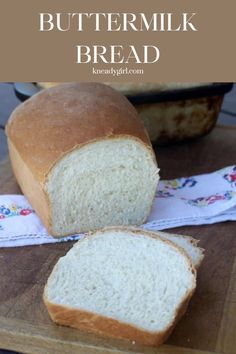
x=82 y=158
x=122 y=282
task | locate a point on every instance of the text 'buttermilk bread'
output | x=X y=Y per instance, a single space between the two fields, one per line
x=82 y=158
x=122 y=282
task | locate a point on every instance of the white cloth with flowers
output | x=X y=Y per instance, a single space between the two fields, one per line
x=202 y=199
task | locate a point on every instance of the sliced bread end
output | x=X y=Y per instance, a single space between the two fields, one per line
x=122 y=283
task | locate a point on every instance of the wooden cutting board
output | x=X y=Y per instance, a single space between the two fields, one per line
x=209 y=325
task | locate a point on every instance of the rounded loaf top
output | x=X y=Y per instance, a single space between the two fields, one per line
x=57 y=120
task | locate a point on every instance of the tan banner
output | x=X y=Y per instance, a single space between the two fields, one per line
x=149 y=41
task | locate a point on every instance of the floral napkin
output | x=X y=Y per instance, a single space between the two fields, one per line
x=196 y=200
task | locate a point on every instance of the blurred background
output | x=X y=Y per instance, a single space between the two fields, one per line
x=169 y=117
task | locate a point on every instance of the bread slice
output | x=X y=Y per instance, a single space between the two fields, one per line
x=189 y=244
x=122 y=283
x=83 y=158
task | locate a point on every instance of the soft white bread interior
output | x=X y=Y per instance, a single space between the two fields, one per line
x=104 y=183
x=83 y=158
x=122 y=283
x=189 y=245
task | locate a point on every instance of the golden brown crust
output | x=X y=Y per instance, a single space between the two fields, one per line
x=57 y=120
x=108 y=327
x=29 y=185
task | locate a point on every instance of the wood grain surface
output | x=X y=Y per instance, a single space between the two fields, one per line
x=209 y=325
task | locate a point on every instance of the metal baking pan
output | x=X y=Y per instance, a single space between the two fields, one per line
x=24 y=90
x=171 y=115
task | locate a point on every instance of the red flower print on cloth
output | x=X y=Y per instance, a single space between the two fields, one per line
x=211 y=199
x=231 y=177
x=7 y=211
